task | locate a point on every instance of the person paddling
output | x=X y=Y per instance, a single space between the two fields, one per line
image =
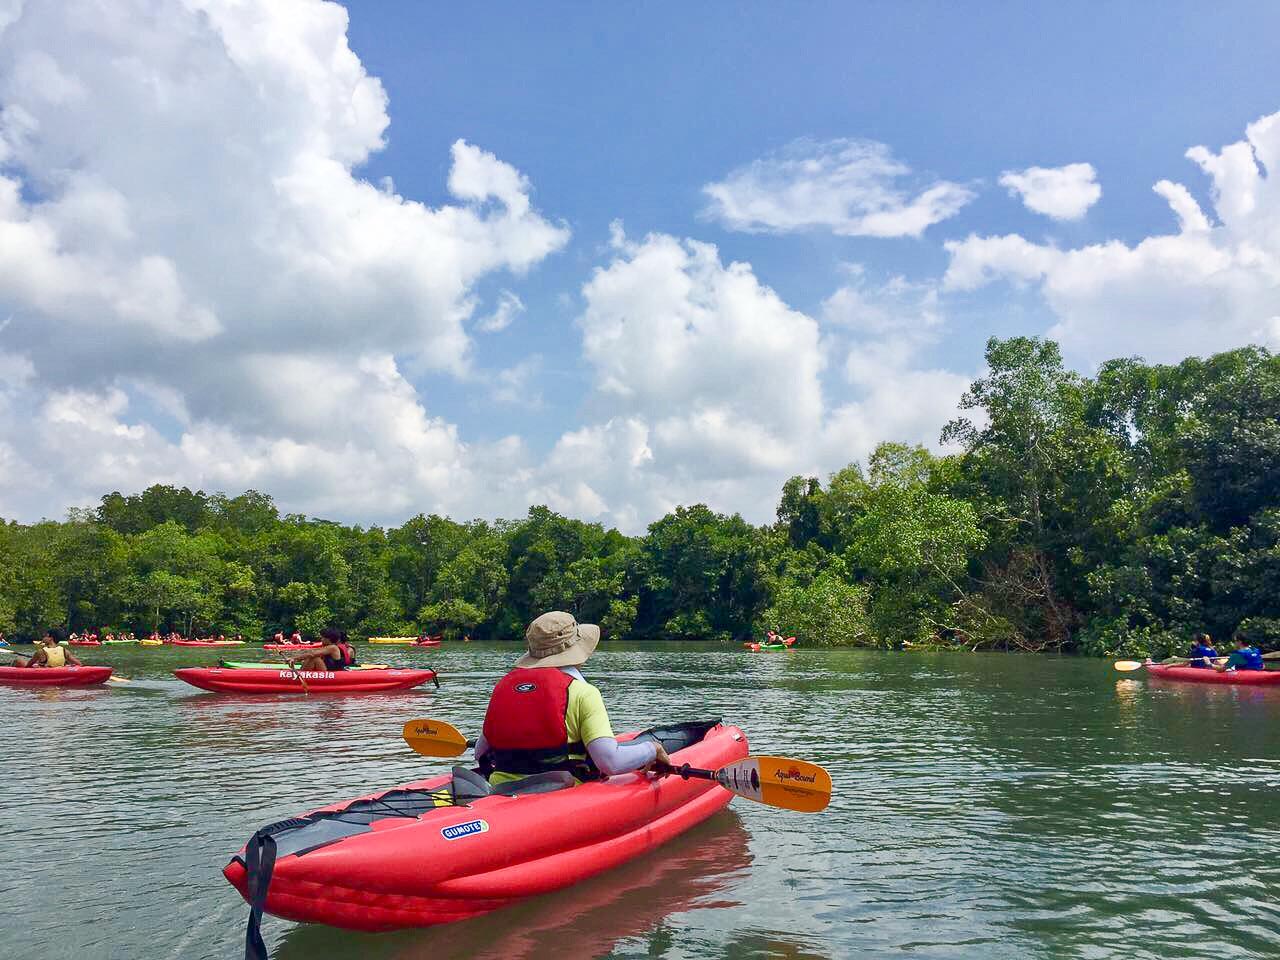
x=50 y=653
x=1244 y=657
x=1202 y=651
x=335 y=654
x=545 y=716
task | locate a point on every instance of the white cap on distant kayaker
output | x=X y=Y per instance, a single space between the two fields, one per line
x=556 y=639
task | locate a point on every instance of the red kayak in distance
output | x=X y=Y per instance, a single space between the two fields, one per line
x=221 y=680
x=291 y=646
x=427 y=643
x=55 y=676
x=1254 y=678
x=206 y=643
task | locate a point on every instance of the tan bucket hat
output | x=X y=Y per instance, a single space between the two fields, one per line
x=556 y=639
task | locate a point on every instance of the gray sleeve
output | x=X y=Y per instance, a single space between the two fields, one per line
x=612 y=757
x=482 y=747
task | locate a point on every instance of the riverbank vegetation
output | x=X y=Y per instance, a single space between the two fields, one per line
x=1111 y=514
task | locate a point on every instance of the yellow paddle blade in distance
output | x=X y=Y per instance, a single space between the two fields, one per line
x=434 y=738
x=778 y=782
x=1127 y=666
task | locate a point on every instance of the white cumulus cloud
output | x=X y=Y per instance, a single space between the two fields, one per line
x=199 y=286
x=1212 y=285
x=884 y=331
x=710 y=388
x=1063 y=193
x=854 y=188
x=185 y=235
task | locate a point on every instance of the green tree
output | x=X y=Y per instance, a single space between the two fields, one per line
x=911 y=544
x=1045 y=481
x=470 y=589
x=826 y=611
x=703 y=576
x=305 y=606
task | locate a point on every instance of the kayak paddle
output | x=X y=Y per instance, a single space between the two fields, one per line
x=298 y=673
x=1127 y=666
x=435 y=738
x=774 y=781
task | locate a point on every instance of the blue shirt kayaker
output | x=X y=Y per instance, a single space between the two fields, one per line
x=1244 y=657
x=1202 y=652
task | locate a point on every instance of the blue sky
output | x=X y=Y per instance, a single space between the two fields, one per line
x=202 y=286
x=626 y=113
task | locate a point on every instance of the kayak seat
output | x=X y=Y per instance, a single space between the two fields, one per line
x=548 y=782
x=677 y=736
x=468 y=785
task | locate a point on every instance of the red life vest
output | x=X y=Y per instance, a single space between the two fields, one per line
x=347 y=658
x=525 y=724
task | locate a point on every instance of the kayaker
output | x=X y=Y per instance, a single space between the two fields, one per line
x=1244 y=657
x=544 y=715
x=336 y=654
x=1202 y=652
x=50 y=652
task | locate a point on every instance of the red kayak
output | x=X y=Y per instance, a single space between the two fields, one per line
x=427 y=643
x=1204 y=675
x=291 y=646
x=318 y=681
x=207 y=643
x=413 y=857
x=55 y=676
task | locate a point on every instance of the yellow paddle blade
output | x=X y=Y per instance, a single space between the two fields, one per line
x=114 y=679
x=778 y=782
x=1127 y=666
x=434 y=738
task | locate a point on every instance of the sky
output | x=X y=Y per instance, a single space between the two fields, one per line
x=396 y=257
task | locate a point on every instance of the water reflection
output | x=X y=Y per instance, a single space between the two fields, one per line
x=696 y=871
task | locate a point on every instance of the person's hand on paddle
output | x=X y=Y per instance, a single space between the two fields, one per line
x=661 y=765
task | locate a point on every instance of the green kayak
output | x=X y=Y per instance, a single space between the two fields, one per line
x=121 y=641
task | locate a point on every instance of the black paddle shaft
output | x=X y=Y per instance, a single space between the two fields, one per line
x=686 y=772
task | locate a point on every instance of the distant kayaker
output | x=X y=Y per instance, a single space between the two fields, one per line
x=544 y=715
x=1244 y=657
x=335 y=654
x=1202 y=652
x=50 y=652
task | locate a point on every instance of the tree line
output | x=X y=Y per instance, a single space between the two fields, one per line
x=1113 y=514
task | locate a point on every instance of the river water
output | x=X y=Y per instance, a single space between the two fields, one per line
x=986 y=806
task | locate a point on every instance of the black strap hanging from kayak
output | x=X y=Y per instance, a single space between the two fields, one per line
x=259 y=862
